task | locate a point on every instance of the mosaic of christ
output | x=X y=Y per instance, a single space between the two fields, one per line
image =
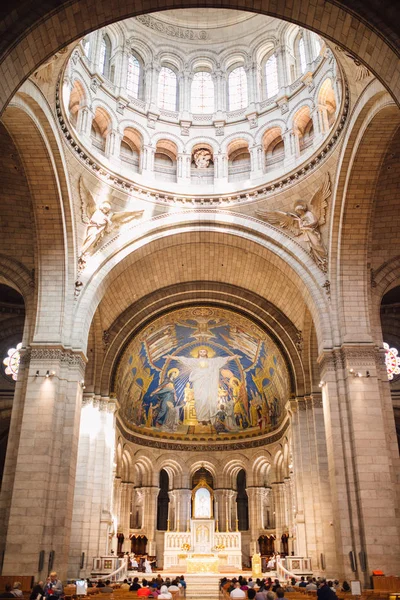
x=202 y=370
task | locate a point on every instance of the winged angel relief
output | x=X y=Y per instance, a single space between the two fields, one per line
x=306 y=221
x=100 y=220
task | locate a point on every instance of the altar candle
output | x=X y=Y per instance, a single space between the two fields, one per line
x=216 y=509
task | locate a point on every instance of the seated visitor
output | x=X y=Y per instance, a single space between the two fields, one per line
x=237 y=592
x=7 y=592
x=345 y=587
x=107 y=589
x=280 y=594
x=310 y=585
x=16 y=590
x=37 y=591
x=125 y=585
x=54 y=587
x=165 y=593
x=174 y=587
x=251 y=593
x=135 y=585
x=144 y=590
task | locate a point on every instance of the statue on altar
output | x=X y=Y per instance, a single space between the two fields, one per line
x=202 y=504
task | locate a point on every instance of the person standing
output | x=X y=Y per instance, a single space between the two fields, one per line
x=53 y=590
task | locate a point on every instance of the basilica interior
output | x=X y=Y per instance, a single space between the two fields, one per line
x=200 y=287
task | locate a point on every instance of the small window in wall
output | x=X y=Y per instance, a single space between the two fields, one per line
x=167 y=89
x=202 y=95
x=133 y=80
x=271 y=76
x=302 y=56
x=105 y=54
x=237 y=89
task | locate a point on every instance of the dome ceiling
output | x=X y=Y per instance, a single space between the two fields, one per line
x=202 y=374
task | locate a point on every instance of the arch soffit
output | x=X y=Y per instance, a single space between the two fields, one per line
x=269 y=317
x=76 y=77
x=129 y=124
x=239 y=135
x=98 y=103
x=158 y=137
x=383 y=57
x=28 y=120
x=16 y=275
x=306 y=275
x=305 y=103
x=374 y=126
x=202 y=141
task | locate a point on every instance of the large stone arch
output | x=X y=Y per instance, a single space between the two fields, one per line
x=265 y=243
x=373 y=129
x=49 y=27
x=130 y=321
x=28 y=121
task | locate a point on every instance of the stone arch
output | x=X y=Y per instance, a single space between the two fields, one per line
x=145 y=474
x=382 y=59
x=231 y=468
x=326 y=97
x=170 y=137
x=261 y=469
x=274 y=147
x=277 y=246
x=78 y=97
x=372 y=131
x=29 y=124
x=173 y=468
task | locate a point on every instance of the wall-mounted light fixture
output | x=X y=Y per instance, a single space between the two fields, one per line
x=355 y=373
x=321 y=383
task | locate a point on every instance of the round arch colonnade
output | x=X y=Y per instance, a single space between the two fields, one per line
x=77 y=323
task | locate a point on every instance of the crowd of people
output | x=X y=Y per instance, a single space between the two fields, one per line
x=157 y=587
x=268 y=589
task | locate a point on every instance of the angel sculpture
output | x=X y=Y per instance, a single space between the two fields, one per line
x=100 y=220
x=306 y=222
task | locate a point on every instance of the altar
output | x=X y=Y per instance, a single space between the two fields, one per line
x=202 y=548
x=202 y=563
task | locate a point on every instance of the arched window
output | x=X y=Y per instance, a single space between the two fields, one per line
x=133 y=80
x=237 y=89
x=202 y=97
x=167 y=89
x=105 y=54
x=242 y=502
x=162 y=501
x=86 y=46
x=302 y=55
x=271 y=76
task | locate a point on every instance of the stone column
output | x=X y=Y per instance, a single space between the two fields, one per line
x=220 y=499
x=40 y=469
x=360 y=459
x=113 y=144
x=220 y=168
x=291 y=141
x=147 y=162
x=320 y=121
x=125 y=518
x=278 y=493
x=255 y=521
x=84 y=121
x=93 y=520
x=256 y=153
x=252 y=84
x=183 y=168
x=150 y=495
x=283 y=79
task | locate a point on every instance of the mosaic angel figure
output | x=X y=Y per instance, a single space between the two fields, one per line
x=306 y=221
x=100 y=220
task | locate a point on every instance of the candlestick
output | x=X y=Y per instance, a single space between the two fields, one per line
x=237 y=524
x=167 y=524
